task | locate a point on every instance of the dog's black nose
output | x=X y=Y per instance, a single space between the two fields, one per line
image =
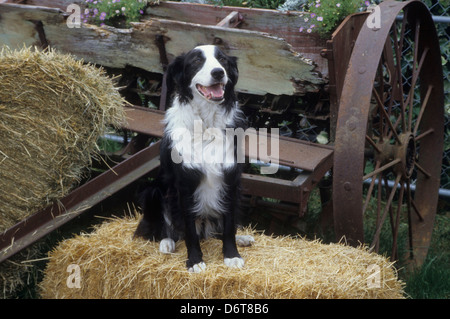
x=217 y=73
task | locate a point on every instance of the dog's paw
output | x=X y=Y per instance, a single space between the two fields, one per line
x=244 y=240
x=236 y=262
x=201 y=266
x=167 y=246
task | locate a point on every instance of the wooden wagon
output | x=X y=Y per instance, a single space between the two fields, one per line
x=386 y=121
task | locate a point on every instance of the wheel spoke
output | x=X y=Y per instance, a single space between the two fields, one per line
x=409 y=208
x=422 y=109
x=395 y=127
x=424 y=134
x=388 y=56
x=398 y=53
x=422 y=170
x=410 y=99
x=370 y=190
x=397 y=95
x=416 y=72
x=374 y=145
x=394 y=254
x=415 y=75
x=376 y=237
x=382 y=168
x=412 y=204
x=381 y=178
x=402 y=32
x=383 y=112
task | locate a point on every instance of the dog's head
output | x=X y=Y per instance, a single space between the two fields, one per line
x=204 y=72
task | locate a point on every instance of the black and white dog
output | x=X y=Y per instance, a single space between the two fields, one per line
x=197 y=192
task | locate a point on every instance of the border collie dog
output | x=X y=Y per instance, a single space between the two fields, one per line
x=197 y=192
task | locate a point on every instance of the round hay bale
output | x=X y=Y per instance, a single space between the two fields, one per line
x=110 y=263
x=53 y=108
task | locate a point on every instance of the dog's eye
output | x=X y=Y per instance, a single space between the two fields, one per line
x=197 y=60
x=222 y=60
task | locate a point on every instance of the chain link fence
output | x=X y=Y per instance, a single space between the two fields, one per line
x=441 y=13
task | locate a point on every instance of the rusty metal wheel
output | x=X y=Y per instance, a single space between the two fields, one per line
x=390 y=129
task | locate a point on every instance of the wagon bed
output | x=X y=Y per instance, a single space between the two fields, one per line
x=150 y=45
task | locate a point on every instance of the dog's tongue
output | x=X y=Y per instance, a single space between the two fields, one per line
x=214 y=91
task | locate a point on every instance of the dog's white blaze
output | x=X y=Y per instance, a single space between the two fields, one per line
x=203 y=76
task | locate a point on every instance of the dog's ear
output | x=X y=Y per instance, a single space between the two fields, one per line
x=233 y=72
x=176 y=80
x=174 y=76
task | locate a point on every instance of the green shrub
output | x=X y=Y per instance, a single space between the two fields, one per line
x=116 y=13
x=324 y=16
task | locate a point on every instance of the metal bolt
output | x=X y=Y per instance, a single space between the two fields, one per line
x=351 y=126
x=347 y=186
x=324 y=53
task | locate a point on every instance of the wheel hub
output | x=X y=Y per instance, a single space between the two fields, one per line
x=407 y=153
x=404 y=153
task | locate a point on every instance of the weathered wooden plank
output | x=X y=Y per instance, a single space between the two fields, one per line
x=280 y=24
x=267 y=63
x=18 y=24
x=231 y=21
x=61 y=4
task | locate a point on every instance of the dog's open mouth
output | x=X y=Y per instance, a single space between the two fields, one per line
x=214 y=92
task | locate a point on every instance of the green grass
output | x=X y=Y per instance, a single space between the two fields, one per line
x=433 y=279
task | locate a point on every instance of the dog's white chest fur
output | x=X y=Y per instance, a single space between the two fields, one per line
x=197 y=130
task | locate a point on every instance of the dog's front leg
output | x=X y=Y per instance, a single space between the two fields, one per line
x=232 y=258
x=194 y=262
x=232 y=202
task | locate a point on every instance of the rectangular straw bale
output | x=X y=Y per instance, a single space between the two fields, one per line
x=115 y=265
